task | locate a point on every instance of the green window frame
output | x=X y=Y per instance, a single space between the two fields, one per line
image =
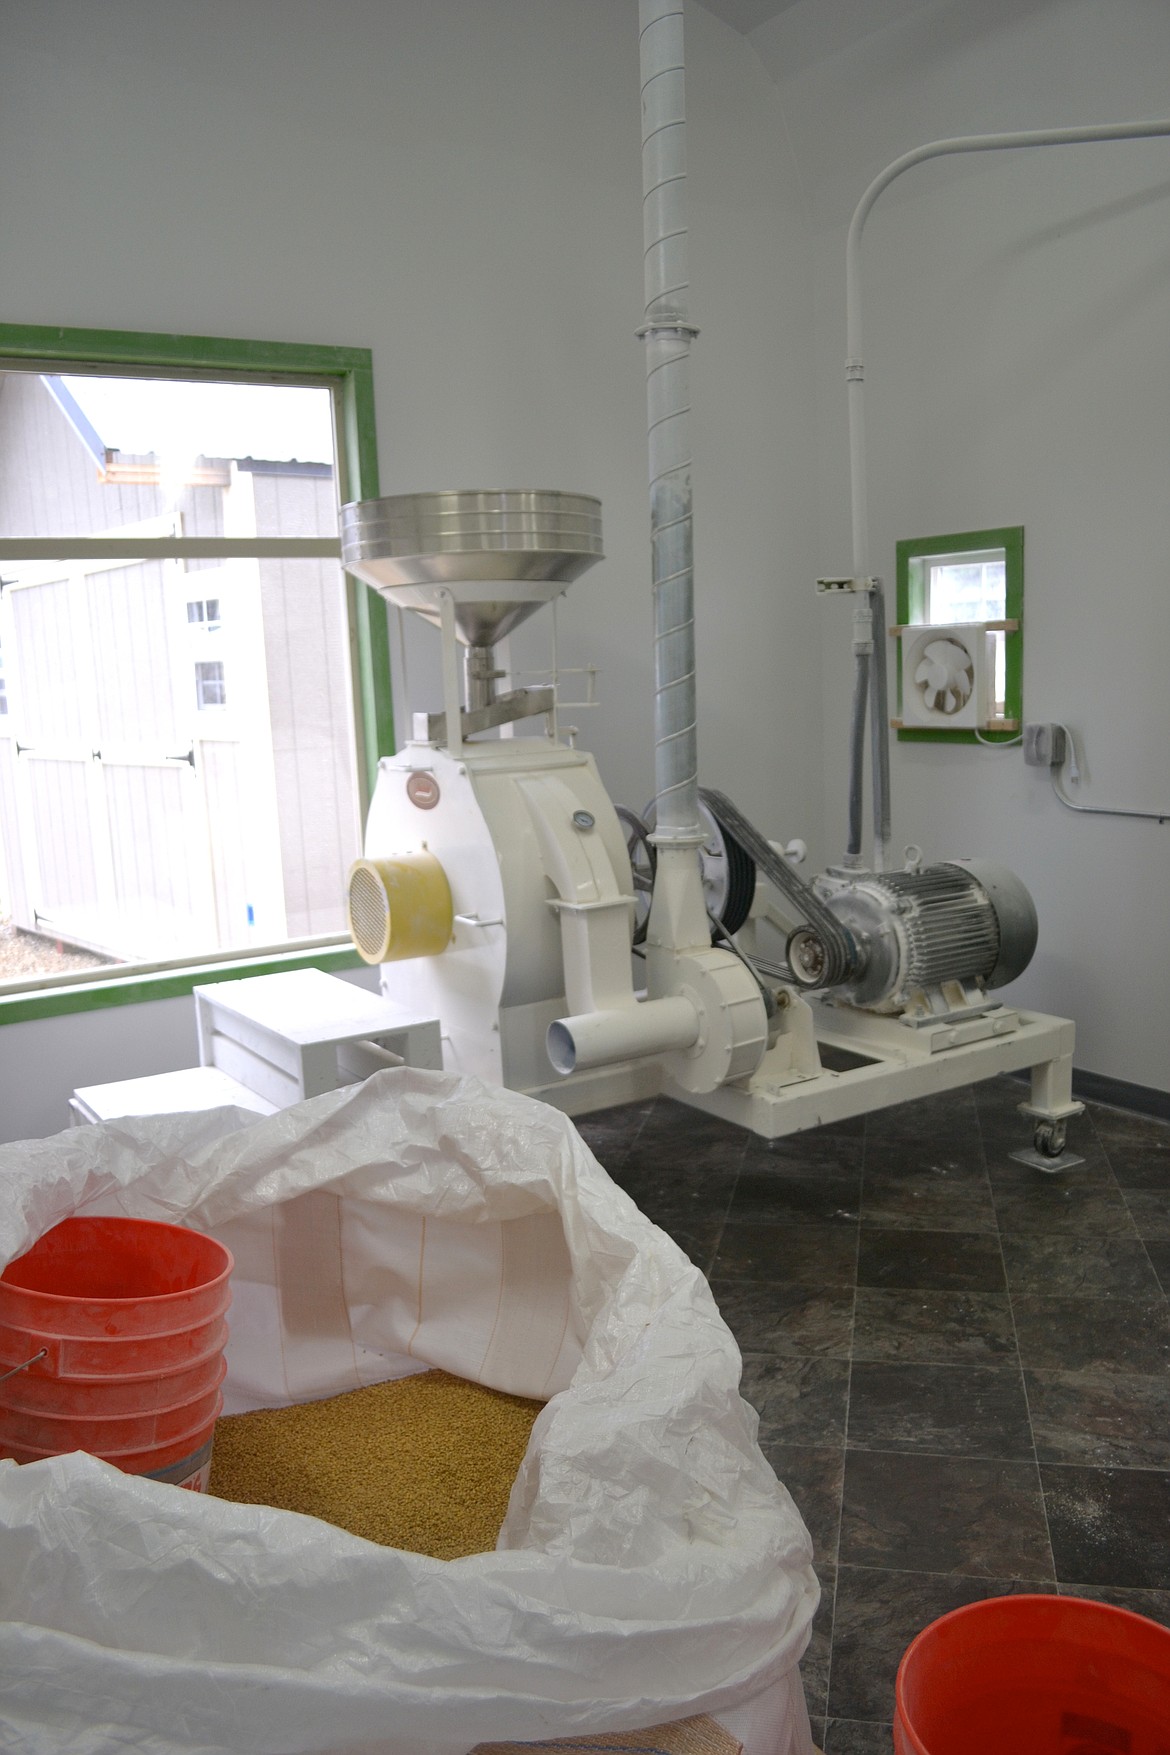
x=348 y=373
x=911 y=610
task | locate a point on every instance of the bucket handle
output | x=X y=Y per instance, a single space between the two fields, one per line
x=5 y=1375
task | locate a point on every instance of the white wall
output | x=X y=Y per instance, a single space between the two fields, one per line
x=457 y=184
x=1017 y=309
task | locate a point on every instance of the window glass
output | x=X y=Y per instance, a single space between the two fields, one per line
x=205 y=613
x=967 y=588
x=209 y=685
x=971 y=588
x=177 y=760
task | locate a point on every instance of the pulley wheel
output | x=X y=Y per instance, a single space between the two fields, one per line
x=728 y=872
x=643 y=862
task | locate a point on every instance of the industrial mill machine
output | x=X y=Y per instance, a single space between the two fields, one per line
x=587 y=956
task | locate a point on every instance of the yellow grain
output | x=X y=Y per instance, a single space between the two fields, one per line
x=424 y=1463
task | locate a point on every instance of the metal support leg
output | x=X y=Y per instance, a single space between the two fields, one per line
x=1051 y=1108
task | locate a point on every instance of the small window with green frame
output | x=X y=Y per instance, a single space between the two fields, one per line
x=960 y=603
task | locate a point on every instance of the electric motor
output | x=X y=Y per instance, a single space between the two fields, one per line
x=960 y=921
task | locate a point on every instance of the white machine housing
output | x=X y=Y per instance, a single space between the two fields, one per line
x=503 y=811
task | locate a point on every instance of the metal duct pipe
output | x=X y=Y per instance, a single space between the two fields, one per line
x=668 y=336
x=855 y=378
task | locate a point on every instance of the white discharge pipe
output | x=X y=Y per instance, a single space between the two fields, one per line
x=656 y=1026
x=668 y=335
x=855 y=378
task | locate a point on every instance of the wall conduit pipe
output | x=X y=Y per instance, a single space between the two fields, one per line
x=855 y=377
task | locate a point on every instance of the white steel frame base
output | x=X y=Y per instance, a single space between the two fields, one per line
x=900 y=1068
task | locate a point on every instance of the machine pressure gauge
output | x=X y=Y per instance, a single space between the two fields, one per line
x=422 y=789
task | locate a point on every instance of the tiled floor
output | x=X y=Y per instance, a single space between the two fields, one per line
x=960 y=1364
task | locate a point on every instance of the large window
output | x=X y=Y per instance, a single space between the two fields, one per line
x=196 y=695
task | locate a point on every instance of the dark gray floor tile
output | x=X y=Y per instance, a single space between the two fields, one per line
x=944 y=1514
x=833 y=1154
x=1095 y=1335
x=1150 y=1210
x=946 y=1153
x=1153 y=1604
x=1090 y=1267
x=1123 y=1127
x=1062 y=1206
x=1121 y=1420
x=844 y=1736
x=675 y=1195
x=877 y=1614
x=813 y=1477
x=795 y=1197
x=1144 y=1164
x=1110 y=1527
x=814 y=1665
x=938 y=1261
x=928 y=1198
x=951 y=1113
x=951 y=1410
x=800 y=1401
x=812 y=1254
x=609 y=1133
x=799 y=1321
x=1159 y=1254
x=674 y=1136
x=1087 y=1253
x=942 y=1328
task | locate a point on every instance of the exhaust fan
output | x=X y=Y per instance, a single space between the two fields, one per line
x=948 y=674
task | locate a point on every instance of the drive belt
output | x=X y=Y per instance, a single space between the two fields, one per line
x=840 y=950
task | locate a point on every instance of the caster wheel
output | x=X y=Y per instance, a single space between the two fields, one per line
x=1049 y=1138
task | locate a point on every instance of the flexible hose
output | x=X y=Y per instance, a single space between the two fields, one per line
x=857 y=755
x=879 y=709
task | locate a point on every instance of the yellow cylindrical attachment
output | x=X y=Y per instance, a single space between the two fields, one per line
x=399 y=907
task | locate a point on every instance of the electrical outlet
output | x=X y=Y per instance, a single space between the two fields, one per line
x=1044 y=745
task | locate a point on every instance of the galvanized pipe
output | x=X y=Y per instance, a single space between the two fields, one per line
x=668 y=335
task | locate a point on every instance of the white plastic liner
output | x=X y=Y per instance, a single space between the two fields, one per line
x=650 y=1567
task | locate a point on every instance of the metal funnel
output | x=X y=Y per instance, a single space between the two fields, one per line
x=501 y=555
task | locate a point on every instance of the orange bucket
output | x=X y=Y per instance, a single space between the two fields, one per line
x=112 y=1334
x=1035 y=1675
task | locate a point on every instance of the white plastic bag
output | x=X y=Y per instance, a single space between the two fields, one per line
x=650 y=1566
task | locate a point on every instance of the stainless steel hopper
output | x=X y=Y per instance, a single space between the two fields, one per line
x=500 y=555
